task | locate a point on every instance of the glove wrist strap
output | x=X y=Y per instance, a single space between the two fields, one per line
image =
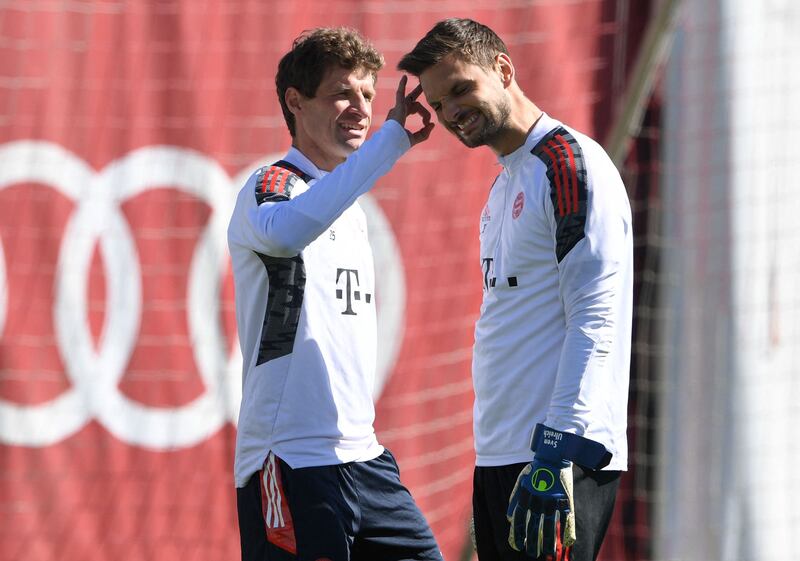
x=554 y=445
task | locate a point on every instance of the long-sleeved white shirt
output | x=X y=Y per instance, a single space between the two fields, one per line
x=305 y=309
x=552 y=344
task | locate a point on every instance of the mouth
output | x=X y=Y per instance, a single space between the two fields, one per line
x=355 y=130
x=464 y=125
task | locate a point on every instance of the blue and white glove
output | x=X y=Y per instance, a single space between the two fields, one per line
x=541 y=509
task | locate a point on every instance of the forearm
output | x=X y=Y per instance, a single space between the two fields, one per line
x=583 y=382
x=287 y=227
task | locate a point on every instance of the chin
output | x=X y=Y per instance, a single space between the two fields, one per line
x=353 y=144
x=471 y=141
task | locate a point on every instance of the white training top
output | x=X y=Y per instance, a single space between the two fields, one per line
x=553 y=341
x=305 y=309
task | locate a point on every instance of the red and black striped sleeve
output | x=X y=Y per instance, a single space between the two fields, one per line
x=274 y=183
x=566 y=172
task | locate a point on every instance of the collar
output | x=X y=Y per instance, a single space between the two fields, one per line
x=298 y=159
x=516 y=158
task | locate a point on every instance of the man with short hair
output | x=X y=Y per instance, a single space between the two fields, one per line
x=312 y=480
x=552 y=343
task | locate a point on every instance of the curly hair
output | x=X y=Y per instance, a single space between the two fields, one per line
x=466 y=39
x=313 y=53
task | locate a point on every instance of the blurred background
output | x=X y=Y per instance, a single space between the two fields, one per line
x=127 y=127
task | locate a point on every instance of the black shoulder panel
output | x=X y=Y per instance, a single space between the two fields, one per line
x=274 y=183
x=566 y=170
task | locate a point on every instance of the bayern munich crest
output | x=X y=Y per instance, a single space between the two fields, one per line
x=519 y=203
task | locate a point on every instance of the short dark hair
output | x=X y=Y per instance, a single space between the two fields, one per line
x=466 y=39
x=314 y=53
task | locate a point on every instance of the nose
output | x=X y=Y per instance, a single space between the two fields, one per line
x=450 y=111
x=361 y=105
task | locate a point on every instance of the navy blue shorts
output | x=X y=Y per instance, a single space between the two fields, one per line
x=357 y=511
x=595 y=494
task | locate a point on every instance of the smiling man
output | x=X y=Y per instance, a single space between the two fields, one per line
x=552 y=343
x=312 y=480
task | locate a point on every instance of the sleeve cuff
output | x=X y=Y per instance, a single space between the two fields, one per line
x=397 y=133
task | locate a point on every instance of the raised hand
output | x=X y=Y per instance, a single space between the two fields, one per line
x=406 y=105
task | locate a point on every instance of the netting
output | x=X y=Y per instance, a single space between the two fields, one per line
x=730 y=276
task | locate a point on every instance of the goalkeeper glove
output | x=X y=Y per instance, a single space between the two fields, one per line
x=541 y=509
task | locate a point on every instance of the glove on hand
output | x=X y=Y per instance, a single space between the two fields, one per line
x=541 y=509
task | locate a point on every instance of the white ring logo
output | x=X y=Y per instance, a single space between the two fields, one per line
x=95 y=373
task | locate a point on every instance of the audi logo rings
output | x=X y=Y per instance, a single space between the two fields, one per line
x=95 y=370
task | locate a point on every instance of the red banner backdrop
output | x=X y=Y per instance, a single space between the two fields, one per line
x=125 y=131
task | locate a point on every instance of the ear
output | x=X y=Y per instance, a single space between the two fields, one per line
x=293 y=99
x=505 y=68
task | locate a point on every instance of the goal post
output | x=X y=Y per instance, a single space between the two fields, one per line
x=731 y=268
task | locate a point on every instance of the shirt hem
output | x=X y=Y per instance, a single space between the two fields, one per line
x=497 y=461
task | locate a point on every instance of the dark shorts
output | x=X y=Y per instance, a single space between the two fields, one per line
x=595 y=493
x=357 y=511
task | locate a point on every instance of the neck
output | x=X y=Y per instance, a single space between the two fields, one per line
x=322 y=160
x=524 y=115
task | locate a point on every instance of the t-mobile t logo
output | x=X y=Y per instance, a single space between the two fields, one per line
x=351 y=291
x=488 y=272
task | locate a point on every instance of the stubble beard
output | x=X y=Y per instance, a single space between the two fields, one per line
x=496 y=119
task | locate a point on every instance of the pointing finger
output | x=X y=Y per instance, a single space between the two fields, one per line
x=401 y=90
x=415 y=93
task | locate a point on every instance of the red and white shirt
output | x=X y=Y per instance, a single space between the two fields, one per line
x=305 y=309
x=553 y=341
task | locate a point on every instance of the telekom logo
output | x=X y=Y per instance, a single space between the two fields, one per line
x=95 y=370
